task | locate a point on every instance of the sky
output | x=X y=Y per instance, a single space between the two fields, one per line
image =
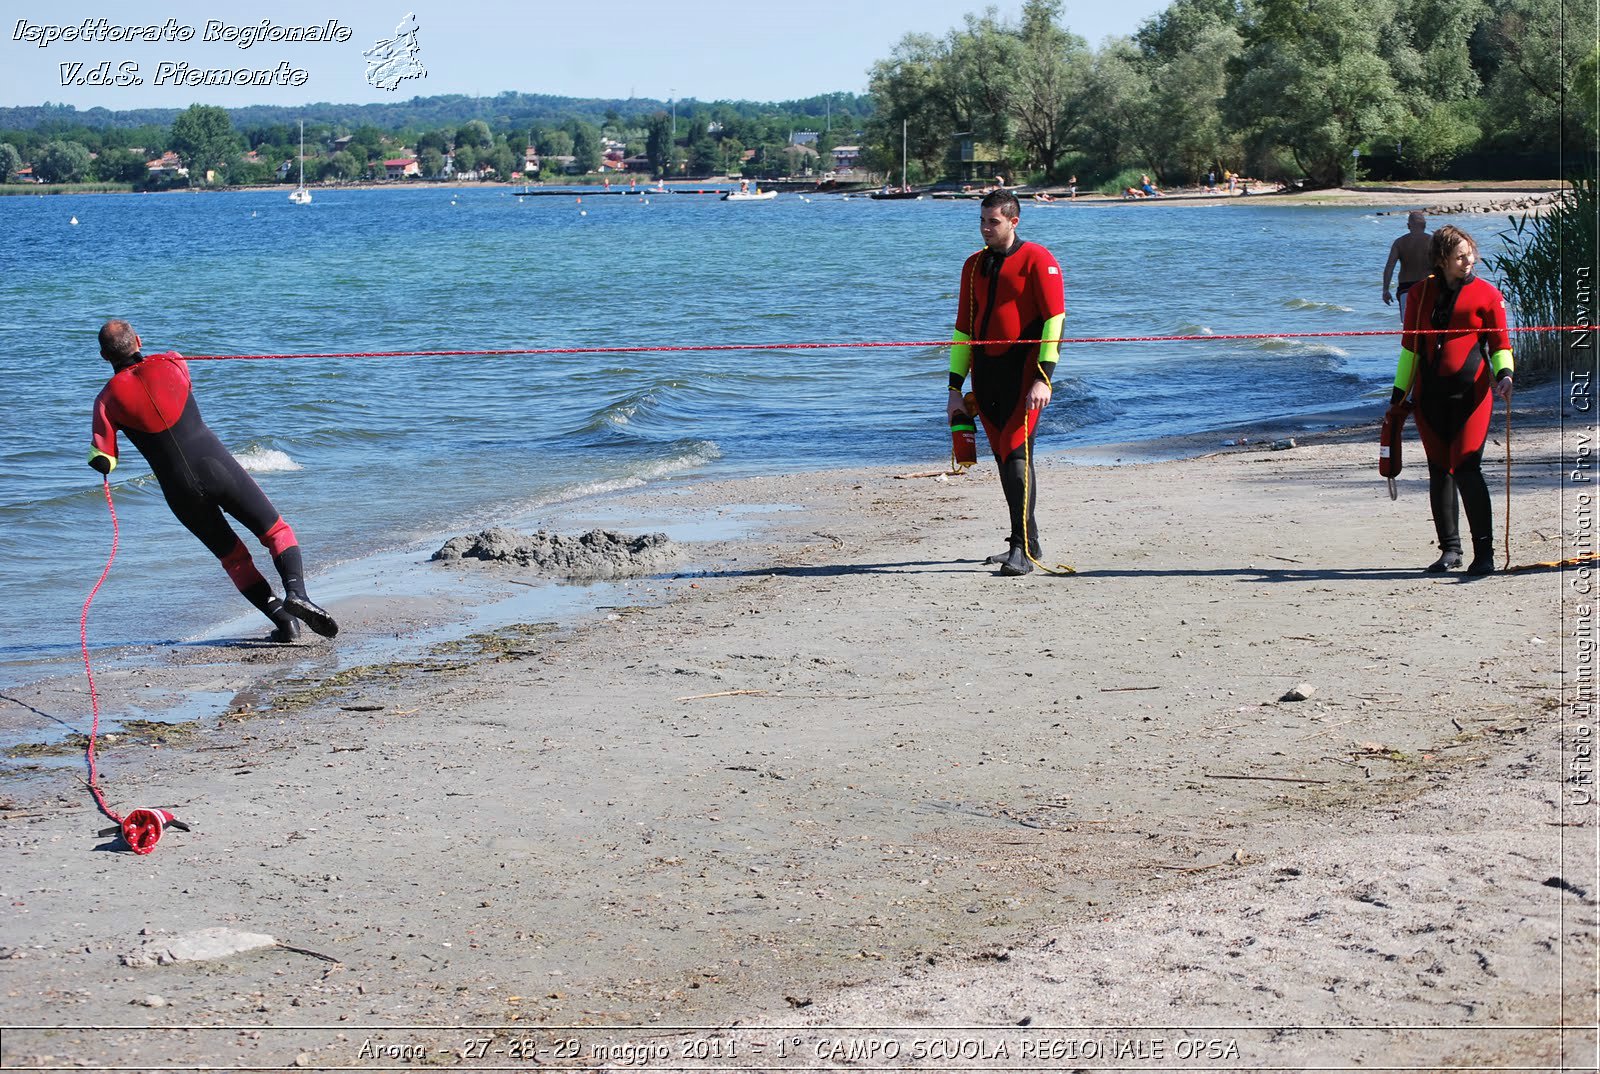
x=570 y=48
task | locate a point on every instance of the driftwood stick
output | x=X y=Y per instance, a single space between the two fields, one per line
x=306 y=951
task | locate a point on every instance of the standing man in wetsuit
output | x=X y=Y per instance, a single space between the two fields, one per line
x=149 y=398
x=1010 y=290
x=1412 y=252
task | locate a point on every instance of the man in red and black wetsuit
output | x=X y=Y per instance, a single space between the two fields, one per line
x=149 y=399
x=1010 y=290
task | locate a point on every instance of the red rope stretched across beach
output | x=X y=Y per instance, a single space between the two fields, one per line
x=682 y=347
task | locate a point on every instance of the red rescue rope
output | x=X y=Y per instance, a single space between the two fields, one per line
x=683 y=347
x=83 y=641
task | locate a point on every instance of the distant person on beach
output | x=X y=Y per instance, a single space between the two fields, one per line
x=1452 y=379
x=1072 y=186
x=1149 y=188
x=1413 y=253
x=1010 y=290
x=149 y=398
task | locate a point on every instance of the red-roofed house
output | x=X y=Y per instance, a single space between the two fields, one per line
x=166 y=164
x=401 y=167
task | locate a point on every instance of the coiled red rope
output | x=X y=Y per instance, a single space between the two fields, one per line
x=684 y=347
x=83 y=641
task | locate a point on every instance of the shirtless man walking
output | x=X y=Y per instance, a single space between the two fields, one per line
x=1411 y=252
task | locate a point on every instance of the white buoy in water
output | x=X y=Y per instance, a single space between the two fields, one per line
x=74 y=221
x=583 y=212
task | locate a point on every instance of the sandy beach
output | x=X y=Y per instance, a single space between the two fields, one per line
x=835 y=790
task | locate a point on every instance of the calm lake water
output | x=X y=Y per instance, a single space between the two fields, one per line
x=364 y=456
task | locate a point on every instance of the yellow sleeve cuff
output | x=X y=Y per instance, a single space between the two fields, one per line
x=1406 y=372
x=1501 y=362
x=960 y=354
x=1050 y=349
x=96 y=453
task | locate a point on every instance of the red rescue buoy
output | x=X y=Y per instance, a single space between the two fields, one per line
x=1389 y=439
x=142 y=828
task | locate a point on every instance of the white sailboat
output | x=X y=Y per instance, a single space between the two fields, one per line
x=300 y=195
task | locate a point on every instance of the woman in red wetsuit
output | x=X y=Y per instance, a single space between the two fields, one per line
x=1453 y=377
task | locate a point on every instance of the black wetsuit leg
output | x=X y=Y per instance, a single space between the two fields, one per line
x=1446 y=517
x=1475 y=497
x=1014 y=472
x=201 y=517
x=228 y=486
x=199 y=494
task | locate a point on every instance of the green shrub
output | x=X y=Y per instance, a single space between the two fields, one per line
x=1547 y=261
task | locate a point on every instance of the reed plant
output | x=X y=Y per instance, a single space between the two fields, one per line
x=1546 y=269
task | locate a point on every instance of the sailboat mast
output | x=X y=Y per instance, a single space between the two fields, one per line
x=302 y=153
x=902 y=154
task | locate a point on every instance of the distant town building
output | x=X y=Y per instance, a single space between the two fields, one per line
x=974 y=160
x=167 y=165
x=803 y=137
x=846 y=157
x=401 y=168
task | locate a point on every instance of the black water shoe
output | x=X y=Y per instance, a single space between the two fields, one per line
x=1482 y=559
x=312 y=615
x=1449 y=561
x=1034 y=549
x=1017 y=563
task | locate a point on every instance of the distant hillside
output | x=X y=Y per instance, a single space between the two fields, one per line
x=506 y=110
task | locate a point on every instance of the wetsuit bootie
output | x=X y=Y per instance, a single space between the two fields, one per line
x=1016 y=563
x=1447 y=561
x=1482 y=557
x=1034 y=549
x=314 y=616
x=285 y=627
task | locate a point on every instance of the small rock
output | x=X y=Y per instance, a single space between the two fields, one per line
x=152 y=1001
x=1299 y=693
x=302 y=1060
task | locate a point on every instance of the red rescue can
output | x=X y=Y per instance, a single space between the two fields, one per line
x=1389 y=438
x=963 y=441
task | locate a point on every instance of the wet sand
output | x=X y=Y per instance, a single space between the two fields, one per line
x=843 y=775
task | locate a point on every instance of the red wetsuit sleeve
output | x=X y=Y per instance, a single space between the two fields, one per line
x=966 y=316
x=1048 y=291
x=1494 y=336
x=1419 y=298
x=104 y=437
